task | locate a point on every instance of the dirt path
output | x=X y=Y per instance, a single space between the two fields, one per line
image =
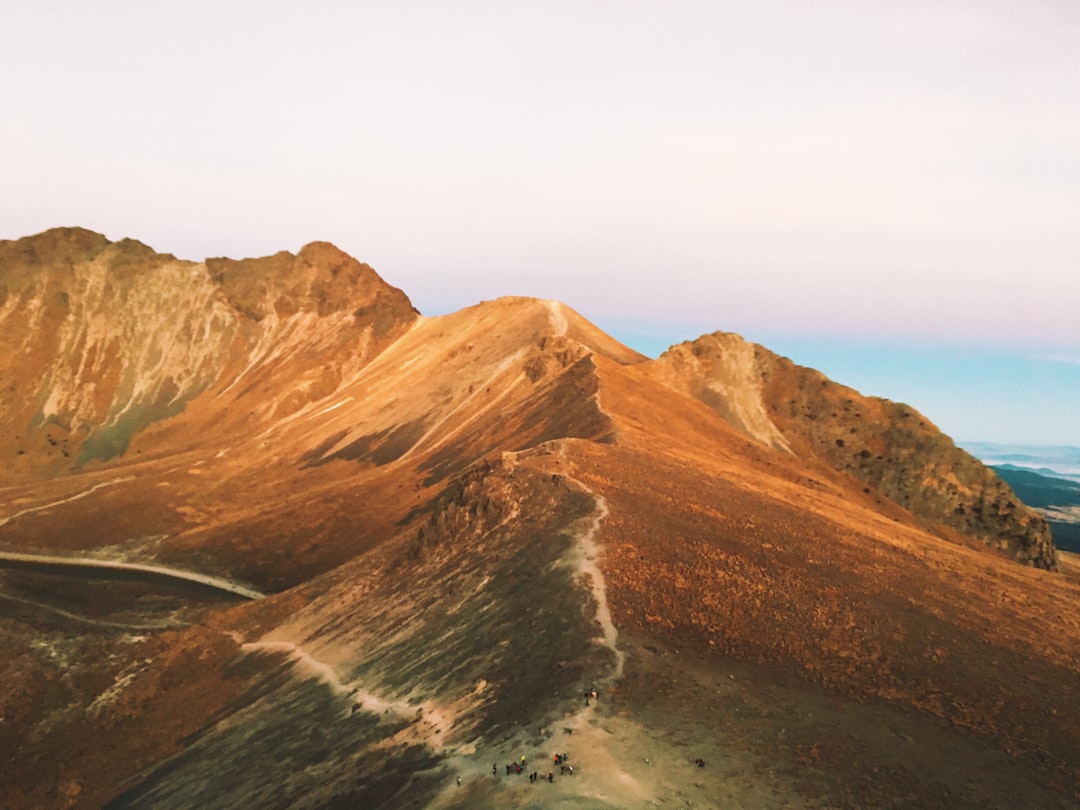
x=69 y=499
x=430 y=720
x=601 y=741
x=159 y=625
x=584 y=559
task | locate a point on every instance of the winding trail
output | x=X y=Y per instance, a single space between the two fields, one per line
x=161 y=625
x=429 y=721
x=589 y=550
x=74 y=497
x=583 y=557
x=87 y=566
x=309 y=666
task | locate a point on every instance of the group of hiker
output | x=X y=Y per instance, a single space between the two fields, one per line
x=519 y=767
x=560 y=759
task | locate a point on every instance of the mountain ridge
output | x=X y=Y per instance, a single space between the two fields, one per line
x=885 y=445
x=462 y=522
x=270 y=309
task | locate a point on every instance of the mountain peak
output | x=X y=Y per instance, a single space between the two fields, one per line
x=889 y=447
x=320 y=278
x=103 y=338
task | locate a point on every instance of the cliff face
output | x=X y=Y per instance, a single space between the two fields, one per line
x=886 y=445
x=99 y=340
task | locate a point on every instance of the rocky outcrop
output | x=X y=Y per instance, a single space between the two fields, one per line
x=100 y=339
x=886 y=445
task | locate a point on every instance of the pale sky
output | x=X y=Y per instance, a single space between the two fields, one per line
x=889 y=191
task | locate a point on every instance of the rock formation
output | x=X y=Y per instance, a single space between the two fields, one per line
x=102 y=339
x=887 y=446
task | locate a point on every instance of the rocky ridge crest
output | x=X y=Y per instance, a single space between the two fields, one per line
x=888 y=446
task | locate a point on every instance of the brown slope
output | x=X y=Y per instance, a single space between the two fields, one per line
x=732 y=549
x=356 y=476
x=274 y=495
x=887 y=446
x=102 y=339
x=716 y=548
x=337 y=476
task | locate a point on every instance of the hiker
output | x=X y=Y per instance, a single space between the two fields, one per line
x=494 y=770
x=551 y=777
x=558 y=759
x=459 y=781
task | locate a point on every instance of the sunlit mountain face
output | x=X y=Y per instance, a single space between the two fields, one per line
x=393 y=555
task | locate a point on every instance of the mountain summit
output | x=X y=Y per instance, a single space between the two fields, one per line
x=464 y=526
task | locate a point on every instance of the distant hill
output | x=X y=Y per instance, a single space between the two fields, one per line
x=1057 y=498
x=1058 y=461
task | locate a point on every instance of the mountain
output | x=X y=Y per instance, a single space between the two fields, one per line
x=889 y=447
x=1058 y=461
x=463 y=525
x=103 y=339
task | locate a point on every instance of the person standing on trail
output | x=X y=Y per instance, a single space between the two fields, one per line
x=459 y=781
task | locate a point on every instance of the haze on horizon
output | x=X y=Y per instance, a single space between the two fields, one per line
x=886 y=192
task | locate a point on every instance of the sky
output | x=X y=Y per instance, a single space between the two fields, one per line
x=888 y=192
